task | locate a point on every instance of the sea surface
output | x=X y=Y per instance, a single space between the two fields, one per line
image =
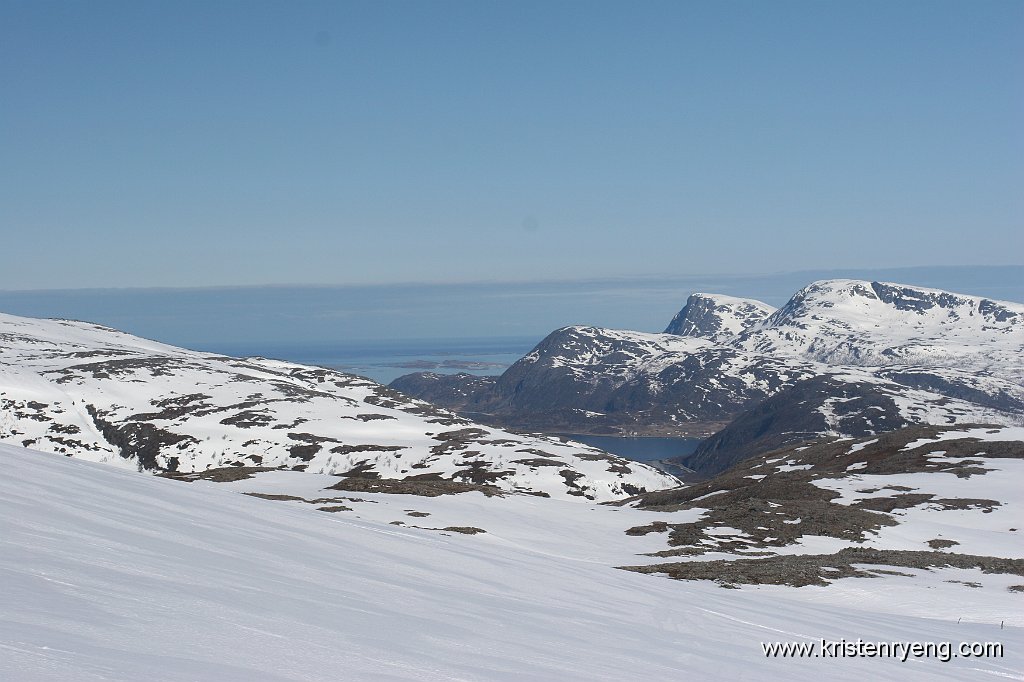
x=384 y=360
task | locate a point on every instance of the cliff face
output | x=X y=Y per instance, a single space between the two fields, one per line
x=718 y=317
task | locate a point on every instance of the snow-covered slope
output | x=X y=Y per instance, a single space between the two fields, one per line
x=843 y=357
x=718 y=317
x=850 y=322
x=915 y=500
x=96 y=393
x=588 y=379
x=112 y=575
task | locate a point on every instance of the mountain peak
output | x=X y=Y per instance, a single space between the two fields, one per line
x=858 y=322
x=887 y=302
x=717 y=317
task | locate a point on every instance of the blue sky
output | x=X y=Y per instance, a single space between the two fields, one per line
x=149 y=144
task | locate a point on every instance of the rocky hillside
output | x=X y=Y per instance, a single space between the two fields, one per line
x=718 y=317
x=842 y=357
x=99 y=394
x=914 y=499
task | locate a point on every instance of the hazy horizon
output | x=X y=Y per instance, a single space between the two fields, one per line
x=256 y=317
x=465 y=169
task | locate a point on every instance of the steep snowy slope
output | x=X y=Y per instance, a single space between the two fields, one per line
x=113 y=575
x=718 y=317
x=843 y=357
x=99 y=394
x=850 y=322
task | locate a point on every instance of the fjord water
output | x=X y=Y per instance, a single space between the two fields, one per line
x=641 y=449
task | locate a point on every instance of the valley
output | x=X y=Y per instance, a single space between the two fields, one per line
x=862 y=483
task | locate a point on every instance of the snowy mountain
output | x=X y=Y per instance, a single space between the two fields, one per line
x=95 y=393
x=114 y=575
x=718 y=317
x=593 y=380
x=849 y=322
x=842 y=357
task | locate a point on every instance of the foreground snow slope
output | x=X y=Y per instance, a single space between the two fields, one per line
x=103 y=395
x=113 y=575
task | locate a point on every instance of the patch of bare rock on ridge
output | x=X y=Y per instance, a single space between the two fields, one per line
x=425 y=486
x=758 y=513
x=820 y=569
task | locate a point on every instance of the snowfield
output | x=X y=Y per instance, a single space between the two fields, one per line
x=111 y=574
x=277 y=555
x=925 y=520
x=96 y=393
